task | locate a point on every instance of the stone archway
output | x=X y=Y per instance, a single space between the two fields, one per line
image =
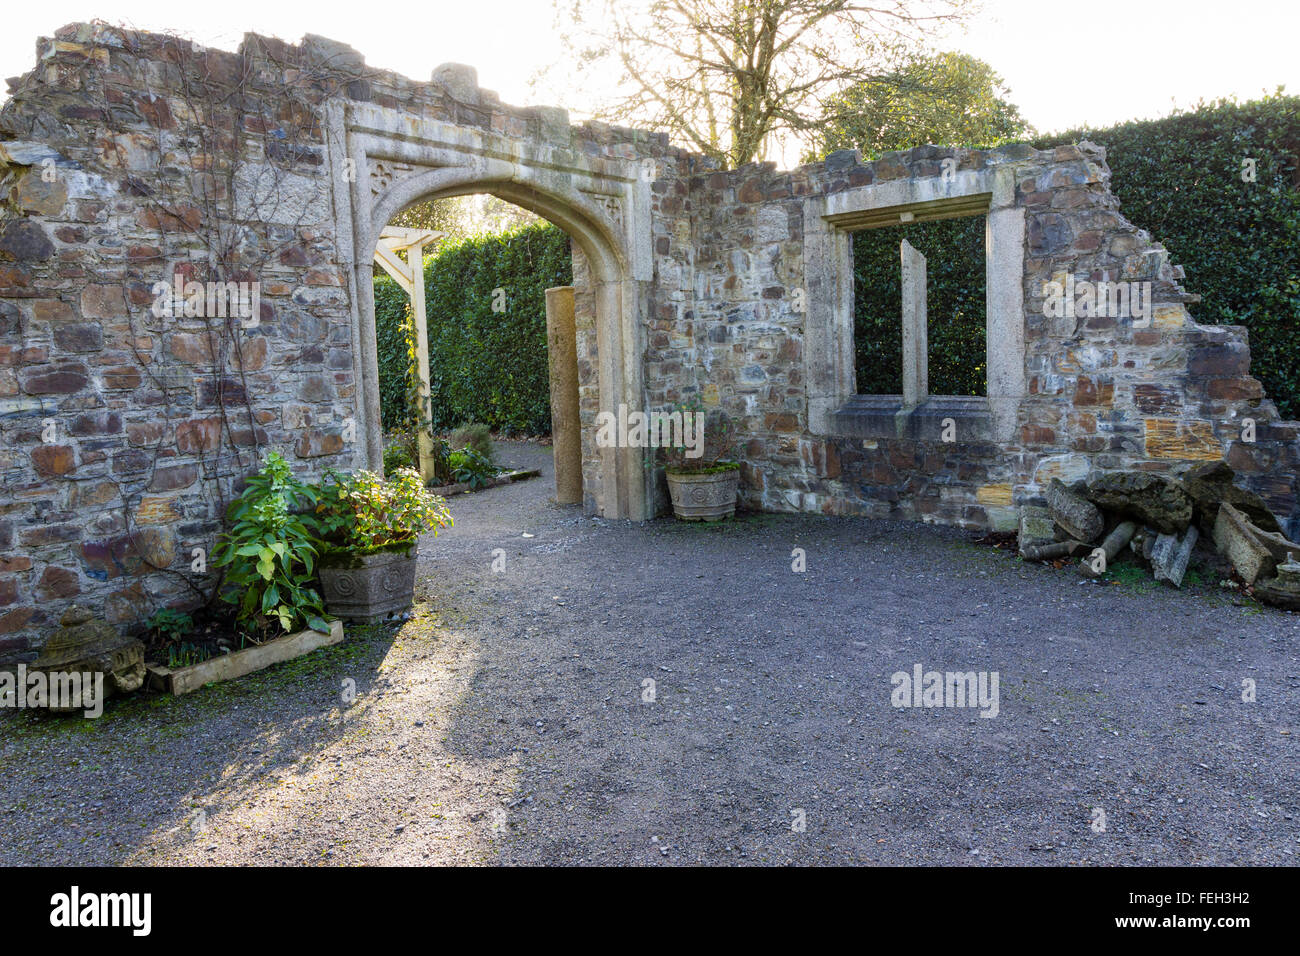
x=385 y=160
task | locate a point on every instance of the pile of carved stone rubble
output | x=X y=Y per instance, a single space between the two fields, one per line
x=1159 y=521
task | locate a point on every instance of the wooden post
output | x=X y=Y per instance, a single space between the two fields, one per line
x=410 y=276
x=566 y=426
x=415 y=262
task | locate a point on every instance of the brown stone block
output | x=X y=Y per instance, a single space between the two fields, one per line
x=53 y=310
x=51 y=461
x=1189 y=441
x=176 y=218
x=122 y=377
x=15 y=620
x=157 y=510
x=1037 y=435
x=12 y=564
x=174 y=478
x=34 y=195
x=1236 y=389
x=53 y=379
x=50 y=534
x=87 y=494
x=198 y=435
x=103 y=302
x=58 y=583
x=1088 y=392
x=316 y=443
x=16 y=281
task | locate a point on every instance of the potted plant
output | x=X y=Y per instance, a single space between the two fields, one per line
x=369 y=531
x=702 y=478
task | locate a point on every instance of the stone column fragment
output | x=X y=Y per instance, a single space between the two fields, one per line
x=916 y=382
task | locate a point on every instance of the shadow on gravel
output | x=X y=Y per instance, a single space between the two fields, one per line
x=72 y=788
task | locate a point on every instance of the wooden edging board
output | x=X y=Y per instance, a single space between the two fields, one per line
x=182 y=680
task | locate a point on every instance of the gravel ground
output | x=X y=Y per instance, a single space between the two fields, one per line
x=506 y=722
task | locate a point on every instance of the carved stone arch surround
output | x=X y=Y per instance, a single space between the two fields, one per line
x=386 y=160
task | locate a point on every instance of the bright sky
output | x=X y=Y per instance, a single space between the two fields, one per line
x=1066 y=64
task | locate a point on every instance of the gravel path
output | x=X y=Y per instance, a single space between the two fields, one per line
x=507 y=721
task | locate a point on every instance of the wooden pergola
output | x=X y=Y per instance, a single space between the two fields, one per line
x=409 y=274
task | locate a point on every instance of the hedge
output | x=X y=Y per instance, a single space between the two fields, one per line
x=955 y=306
x=484 y=366
x=1180 y=178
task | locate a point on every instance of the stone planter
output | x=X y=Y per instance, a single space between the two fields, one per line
x=369 y=588
x=704 y=497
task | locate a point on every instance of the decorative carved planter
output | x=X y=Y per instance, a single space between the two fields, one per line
x=704 y=497
x=368 y=588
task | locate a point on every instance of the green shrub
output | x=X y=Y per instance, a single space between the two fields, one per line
x=362 y=513
x=484 y=366
x=476 y=436
x=1180 y=178
x=397 y=456
x=268 y=555
x=470 y=467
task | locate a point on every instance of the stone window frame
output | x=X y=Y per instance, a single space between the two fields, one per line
x=834 y=407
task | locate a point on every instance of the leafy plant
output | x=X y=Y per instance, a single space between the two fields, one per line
x=470 y=467
x=476 y=436
x=169 y=624
x=269 y=556
x=397 y=456
x=362 y=513
x=186 y=655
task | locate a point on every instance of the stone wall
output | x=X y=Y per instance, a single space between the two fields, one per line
x=1100 y=393
x=127 y=158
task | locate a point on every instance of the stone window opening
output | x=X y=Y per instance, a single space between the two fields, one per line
x=919 y=309
x=836 y=406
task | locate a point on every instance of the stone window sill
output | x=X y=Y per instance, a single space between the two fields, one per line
x=885 y=416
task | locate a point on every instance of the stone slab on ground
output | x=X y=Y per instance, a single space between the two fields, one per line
x=1238 y=541
x=1078 y=517
x=1170 y=554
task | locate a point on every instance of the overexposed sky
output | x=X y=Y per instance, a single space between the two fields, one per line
x=1066 y=64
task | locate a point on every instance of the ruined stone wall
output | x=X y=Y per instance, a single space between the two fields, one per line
x=127 y=158
x=1101 y=394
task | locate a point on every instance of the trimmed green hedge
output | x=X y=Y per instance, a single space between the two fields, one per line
x=1180 y=178
x=955 y=306
x=484 y=366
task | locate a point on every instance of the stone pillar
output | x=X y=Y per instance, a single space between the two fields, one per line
x=916 y=380
x=566 y=426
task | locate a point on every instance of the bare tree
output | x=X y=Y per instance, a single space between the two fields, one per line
x=727 y=76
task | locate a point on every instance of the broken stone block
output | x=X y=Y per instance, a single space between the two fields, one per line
x=1284 y=590
x=1210 y=484
x=85 y=645
x=1151 y=499
x=1036 y=527
x=1144 y=539
x=1078 y=517
x=1237 y=540
x=1170 y=554
x=1092 y=566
